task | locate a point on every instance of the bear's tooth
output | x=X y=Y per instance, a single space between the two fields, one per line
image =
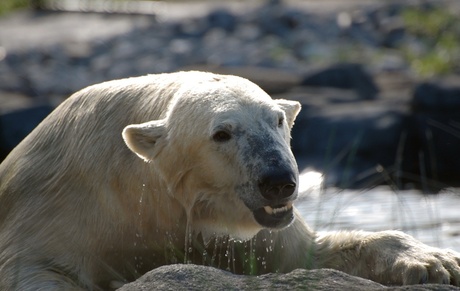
x=281 y=209
x=268 y=209
x=271 y=210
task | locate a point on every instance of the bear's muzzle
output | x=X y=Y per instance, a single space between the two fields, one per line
x=278 y=187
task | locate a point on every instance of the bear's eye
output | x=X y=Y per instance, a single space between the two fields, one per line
x=221 y=136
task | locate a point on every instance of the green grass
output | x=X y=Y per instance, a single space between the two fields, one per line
x=7 y=6
x=437 y=34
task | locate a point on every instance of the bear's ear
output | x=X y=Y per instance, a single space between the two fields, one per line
x=145 y=139
x=291 y=109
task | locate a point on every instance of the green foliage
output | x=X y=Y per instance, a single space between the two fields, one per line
x=11 y=5
x=437 y=46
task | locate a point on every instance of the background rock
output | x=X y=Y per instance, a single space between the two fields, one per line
x=434 y=137
x=344 y=76
x=355 y=143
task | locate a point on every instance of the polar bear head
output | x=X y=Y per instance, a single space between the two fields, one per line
x=223 y=151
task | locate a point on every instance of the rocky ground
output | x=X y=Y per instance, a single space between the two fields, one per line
x=368 y=118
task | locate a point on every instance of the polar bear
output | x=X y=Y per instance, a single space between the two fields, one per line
x=194 y=167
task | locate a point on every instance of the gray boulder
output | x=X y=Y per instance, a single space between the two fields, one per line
x=344 y=76
x=193 y=277
x=435 y=134
x=353 y=142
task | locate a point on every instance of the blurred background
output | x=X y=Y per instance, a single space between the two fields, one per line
x=379 y=82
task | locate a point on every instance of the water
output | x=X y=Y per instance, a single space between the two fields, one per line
x=433 y=219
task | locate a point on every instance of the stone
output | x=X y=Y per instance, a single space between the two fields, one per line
x=192 y=277
x=223 y=19
x=430 y=96
x=351 y=144
x=344 y=76
x=435 y=134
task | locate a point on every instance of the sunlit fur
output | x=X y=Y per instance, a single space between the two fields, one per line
x=124 y=176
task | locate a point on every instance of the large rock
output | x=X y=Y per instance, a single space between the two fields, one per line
x=192 y=277
x=353 y=142
x=344 y=76
x=435 y=134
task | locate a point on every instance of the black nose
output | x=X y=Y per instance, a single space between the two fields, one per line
x=277 y=185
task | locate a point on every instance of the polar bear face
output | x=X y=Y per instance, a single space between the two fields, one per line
x=223 y=150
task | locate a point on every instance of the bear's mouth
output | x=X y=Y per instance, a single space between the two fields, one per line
x=277 y=216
